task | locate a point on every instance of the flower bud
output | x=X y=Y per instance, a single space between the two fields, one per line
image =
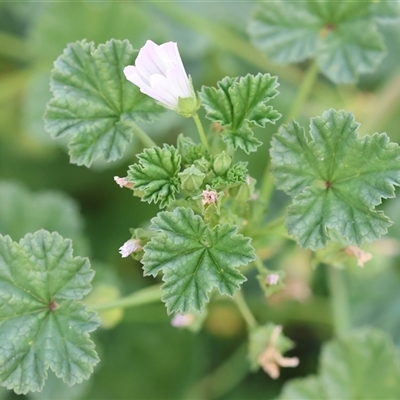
x=191 y=178
x=222 y=163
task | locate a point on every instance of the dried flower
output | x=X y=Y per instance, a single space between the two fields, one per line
x=209 y=197
x=271 y=359
x=129 y=247
x=361 y=255
x=123 y=182
x=159 y=73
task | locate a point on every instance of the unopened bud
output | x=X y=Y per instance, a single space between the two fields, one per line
x=123 y=182
x=222 y=163
x=191 y=178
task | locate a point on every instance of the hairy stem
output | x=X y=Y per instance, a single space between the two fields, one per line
x=245 y=310
x=304 y=91
x=339 y=300
x=201 y=131
x=147 y=295
x=143 y=137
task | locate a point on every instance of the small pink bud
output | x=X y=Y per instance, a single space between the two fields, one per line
x=129 y=247
x=209 y=197
x=123 y=182
x=182 y=320
x=271 y=279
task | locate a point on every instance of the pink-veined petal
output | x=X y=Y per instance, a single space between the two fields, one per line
x=149 y=62
x=132 y=75
x=179 y=82
x=162 y=91
x=171 y=50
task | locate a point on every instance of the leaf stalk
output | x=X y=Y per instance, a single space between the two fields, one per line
x=245 y=310
x=142 y=136
x=339 y=300
x=147 y=295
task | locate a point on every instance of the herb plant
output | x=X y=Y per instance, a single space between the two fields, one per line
x=216 y=226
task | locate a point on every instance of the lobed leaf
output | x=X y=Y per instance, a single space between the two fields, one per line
x=239 y=103
x=194 y=258
x=22 y=212
x=362 y=365
x=93 y=102
x=335 y=177
x=156 y=175
x=41 y=323
x=330 y=32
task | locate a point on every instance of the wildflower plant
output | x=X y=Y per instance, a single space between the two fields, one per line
x=214 y=218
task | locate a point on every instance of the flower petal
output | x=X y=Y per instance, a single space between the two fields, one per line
x=132 y=75
x=162 y=91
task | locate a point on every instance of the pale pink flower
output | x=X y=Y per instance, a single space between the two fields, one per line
x=271 y=358
x=272 y=279
x=209 y=197
x=182 y=320
x=123 y=182
x=159 y=73
x=129 y=247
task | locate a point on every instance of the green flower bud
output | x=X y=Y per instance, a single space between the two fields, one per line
x=246 y=190
x=222 y=163
x=191 y=178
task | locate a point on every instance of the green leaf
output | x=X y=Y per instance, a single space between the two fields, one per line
x=93 y=102
x=157 y=174
x=22 y=212
x=42 y=325
x=238 y=104
x=363 y=365
x=194 y=258
x=343 y=37
x=335 y=177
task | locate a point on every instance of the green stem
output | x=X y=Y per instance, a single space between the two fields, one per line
x=339 y=300
x=143 y=296
x=245 y=310
x=143 y=137
x=223 y=379
x=259 y=265
x=201 y=131
x=304 y=91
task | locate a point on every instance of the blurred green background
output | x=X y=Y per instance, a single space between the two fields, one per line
x=144 y=357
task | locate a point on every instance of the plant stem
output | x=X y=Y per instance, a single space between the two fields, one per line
x=224 y=378
x=245 y=310
x=259 y=265
x=142 y=136
x=339 y=300
x=201 y=131
x=304 y=91
x=147 y=295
